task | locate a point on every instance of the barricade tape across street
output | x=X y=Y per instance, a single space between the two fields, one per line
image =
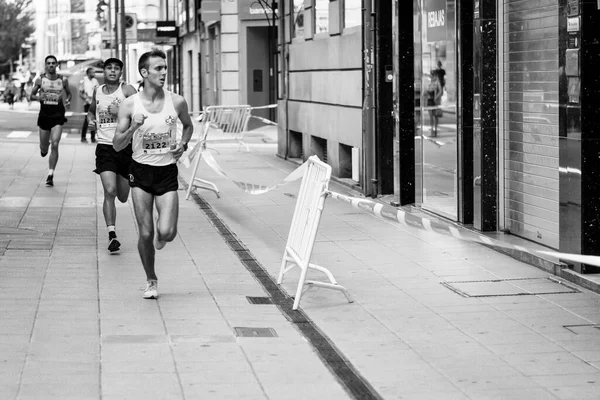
x=252 y=188
x=395 y=215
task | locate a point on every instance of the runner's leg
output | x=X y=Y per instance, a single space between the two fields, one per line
x=84 y=128
x=44 y=141
x=167 y=206
x=142 y=206
x=55 y=135
x=109 y=183
x=122 y=188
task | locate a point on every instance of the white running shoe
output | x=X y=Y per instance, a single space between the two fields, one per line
x=151 y=291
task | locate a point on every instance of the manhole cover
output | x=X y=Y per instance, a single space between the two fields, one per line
x=509 y=287
x=254 y=332
x=10 y=233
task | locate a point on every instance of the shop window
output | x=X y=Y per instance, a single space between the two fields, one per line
x=321 y=16
x=298 y=23
x=352 y=13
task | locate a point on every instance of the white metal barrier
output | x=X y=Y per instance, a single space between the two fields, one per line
x=303 y=229
x=224 y=120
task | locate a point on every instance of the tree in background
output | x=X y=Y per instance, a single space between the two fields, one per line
x=16 y=25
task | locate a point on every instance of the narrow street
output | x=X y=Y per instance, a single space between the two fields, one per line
x=433 y=318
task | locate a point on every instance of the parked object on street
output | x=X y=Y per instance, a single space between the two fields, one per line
x=229 y=120
x=304 y=227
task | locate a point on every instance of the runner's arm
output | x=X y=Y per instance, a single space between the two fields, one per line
x=36 y=87
x=91 y=115
x=188 y=127
x=67 y=90
x=127 y=124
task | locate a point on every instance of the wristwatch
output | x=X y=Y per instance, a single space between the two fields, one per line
x=184 y=145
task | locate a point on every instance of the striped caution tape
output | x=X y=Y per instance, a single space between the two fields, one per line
x=390 y=213
x=252 y=188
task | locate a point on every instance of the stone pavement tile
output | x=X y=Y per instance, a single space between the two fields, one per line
x=137 y=385
x=8 y=390
x=16 y=327
x=60 y=386
x=305 y=391
x=391 y=391
x=192 y=351
x=410 y=379
x=223 y=391
x=83 y=351
x=215 y=373
x=583 y=392
x=588 y=356
x=127 y=326
x=542 y=346
x=516 y=393
x=568 y=379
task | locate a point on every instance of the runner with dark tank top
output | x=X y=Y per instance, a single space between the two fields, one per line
x=148 y=120
x=54 y=96
x=112 y=166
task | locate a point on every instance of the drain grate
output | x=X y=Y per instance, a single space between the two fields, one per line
x=509 y=287
x=254 y=332
x=259 y=300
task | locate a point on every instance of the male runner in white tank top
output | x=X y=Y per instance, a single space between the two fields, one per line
x=54 y=96
x=113 y=167
x=148 y=120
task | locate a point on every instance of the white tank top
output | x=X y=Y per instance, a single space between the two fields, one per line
x=107 y=122
x=151 y=142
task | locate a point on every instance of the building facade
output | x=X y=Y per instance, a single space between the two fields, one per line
x=480 y=111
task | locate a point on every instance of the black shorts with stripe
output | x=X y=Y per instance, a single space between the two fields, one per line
x=156 y=180
x=108 y=159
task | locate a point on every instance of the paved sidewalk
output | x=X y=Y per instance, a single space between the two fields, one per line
x=73 y=324
x=410 y=336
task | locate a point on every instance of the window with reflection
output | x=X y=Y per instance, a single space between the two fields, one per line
x=321 y=16
x=435 y=94
x=298 y=22
x=352 y=13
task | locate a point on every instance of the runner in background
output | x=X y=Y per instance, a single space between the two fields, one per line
x=54 y=96
x=112 y=166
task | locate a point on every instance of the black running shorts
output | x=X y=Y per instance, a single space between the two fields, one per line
x=107 y=159
x=154 y=180
x=46 y=123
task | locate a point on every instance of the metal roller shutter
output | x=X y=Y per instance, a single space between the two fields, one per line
x=531 y=119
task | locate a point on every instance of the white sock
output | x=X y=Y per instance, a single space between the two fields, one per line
x=50 y=172
x=111 y=228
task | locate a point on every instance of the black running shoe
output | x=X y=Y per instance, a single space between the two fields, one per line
x=50 y=180
x=113 y=244
x=43 y=154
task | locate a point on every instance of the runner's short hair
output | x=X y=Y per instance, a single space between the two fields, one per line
x=49 y=57
x=144 y=62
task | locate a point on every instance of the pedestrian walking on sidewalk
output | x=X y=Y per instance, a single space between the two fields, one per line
x=112 y=166
x=148 y=120
x=54 y=96
x=87 y=86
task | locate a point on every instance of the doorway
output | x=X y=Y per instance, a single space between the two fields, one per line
x=435 y=106
x=260 y=85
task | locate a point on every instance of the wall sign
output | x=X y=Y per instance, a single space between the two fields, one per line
x=573 y=24
x=573 y=7
x=435 y=20
x=252 y=9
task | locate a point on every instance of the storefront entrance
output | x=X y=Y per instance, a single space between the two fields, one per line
x=436 y=133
